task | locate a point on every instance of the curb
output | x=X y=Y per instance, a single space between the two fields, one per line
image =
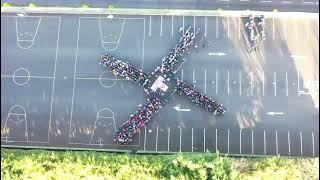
x=163 y=12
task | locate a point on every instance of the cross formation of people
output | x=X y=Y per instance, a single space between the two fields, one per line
x=156 y=99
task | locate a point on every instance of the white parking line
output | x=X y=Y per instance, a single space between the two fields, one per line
x=228 y=82
x=180 y=138
x=313 y=144
x=217 y=28
x=216 y=140
x=172 y=26
x=240 y=141
x=263 y=83
x=192 y=75
x=183 y=24
x=182 y=74
x=239 y=31
x=289 y=148
x=273 y=27
x=150 y=21
x=298 y=84
x=160 y=26
x=251 y=83
x=239 y=83
x=251 y=141
x=277 y=149
x=168 y=138
x=284 y=30
x=228 y=142
x=204 y=140
x=157 y=140
x=145 y=138
x=216 y=81
x=275 y=83
x=228 y=27
x=194 y=24
x=205 y=26
x=191 y=139
x=301 y=143
x=264 y=142
x=307 y=29
x=287 y=91
x=205 y=81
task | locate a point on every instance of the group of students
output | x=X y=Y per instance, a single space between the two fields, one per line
x=199 y=99
x=252 y=30
x=185 y=41
x=137 y=120
x=123 y=69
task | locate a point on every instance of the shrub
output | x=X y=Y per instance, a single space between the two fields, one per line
x=32 y=5
x=85 y=6
x=6 y=4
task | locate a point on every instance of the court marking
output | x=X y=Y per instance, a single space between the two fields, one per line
x=277 y=149
x=216 y=140
x=157 y=132
x=301 y=142
x=150 y=21
x=273 y=27
x=36 y=77
x=192 y=139
x=216 y=81
x=168 y=138
x=160 y=26
x=117 y=42
x=313 y=144
x=239 y=31
x=289 y=148
x=228 y=142
x=239 y=83
x=275 y=83
x=171 y=26
x=240 y=141
x=145 y=138
x=205 y=81
x=204 y=140
x=217 y=33
x=35 y=34
x=17 y=114
x=252 y=141
x=103 y=85
x=205 y=26
x=264 y=142
x=98 y=116
x=287 y=91
x=28 y=76
x=180 y=139
x=228 y=81
x=228 y=31
x=54 y=79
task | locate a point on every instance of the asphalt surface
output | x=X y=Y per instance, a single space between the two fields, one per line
x=256 y=5
x=54 y=93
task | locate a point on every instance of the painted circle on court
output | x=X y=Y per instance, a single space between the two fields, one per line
x=106 y=81
x=21 y=76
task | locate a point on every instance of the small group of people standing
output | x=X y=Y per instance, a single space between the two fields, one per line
x=255 y=30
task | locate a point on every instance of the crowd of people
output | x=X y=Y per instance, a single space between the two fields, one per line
x=199 y=99
x=123 y=69
x=171 y=60
x=253 y=34
x=137 y=120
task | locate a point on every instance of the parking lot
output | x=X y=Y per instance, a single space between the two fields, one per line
x=54 y=93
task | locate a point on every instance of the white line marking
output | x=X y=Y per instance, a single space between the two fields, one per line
x=160 y=26
x=168 y=138
x=273 y=27
x=307 y=29
x=287 y=91
x=216 y=81
x=217 y=28
x=205 y=81
x=228 y=79
x=244 y=0
x=239 y=31
x=251 y=141
x=101 y=78
x=204 y=140
x=296 y=28
x=37 y=77
x=298 y=85
x=98 y=116
x=74 y=79
x=150 y=21
x=284 y=30
x=180 y=138
x=182 y=24
x=275 y=83
x=228 y=142
x=265 y=1
x=240 y=141
x=264 y=142
x=194 y=24
x=106 y=42
x=313 y=144
x=308 y=2
x=22 y=114
x=14 y=76
x=35 y=34
x=193 y=76
x=286 y=2
x=192 y=139
x=216 y=140
x=182 y=74
x=205 y=26
x=251 y=82
x=277 y=148
x=157 y=139
x=145 y=138
x=301 y=143
x=172 y=26
x=239 y=83
x=289 y=148
x=228 y=27
x=54 y=80
x=263 y=83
